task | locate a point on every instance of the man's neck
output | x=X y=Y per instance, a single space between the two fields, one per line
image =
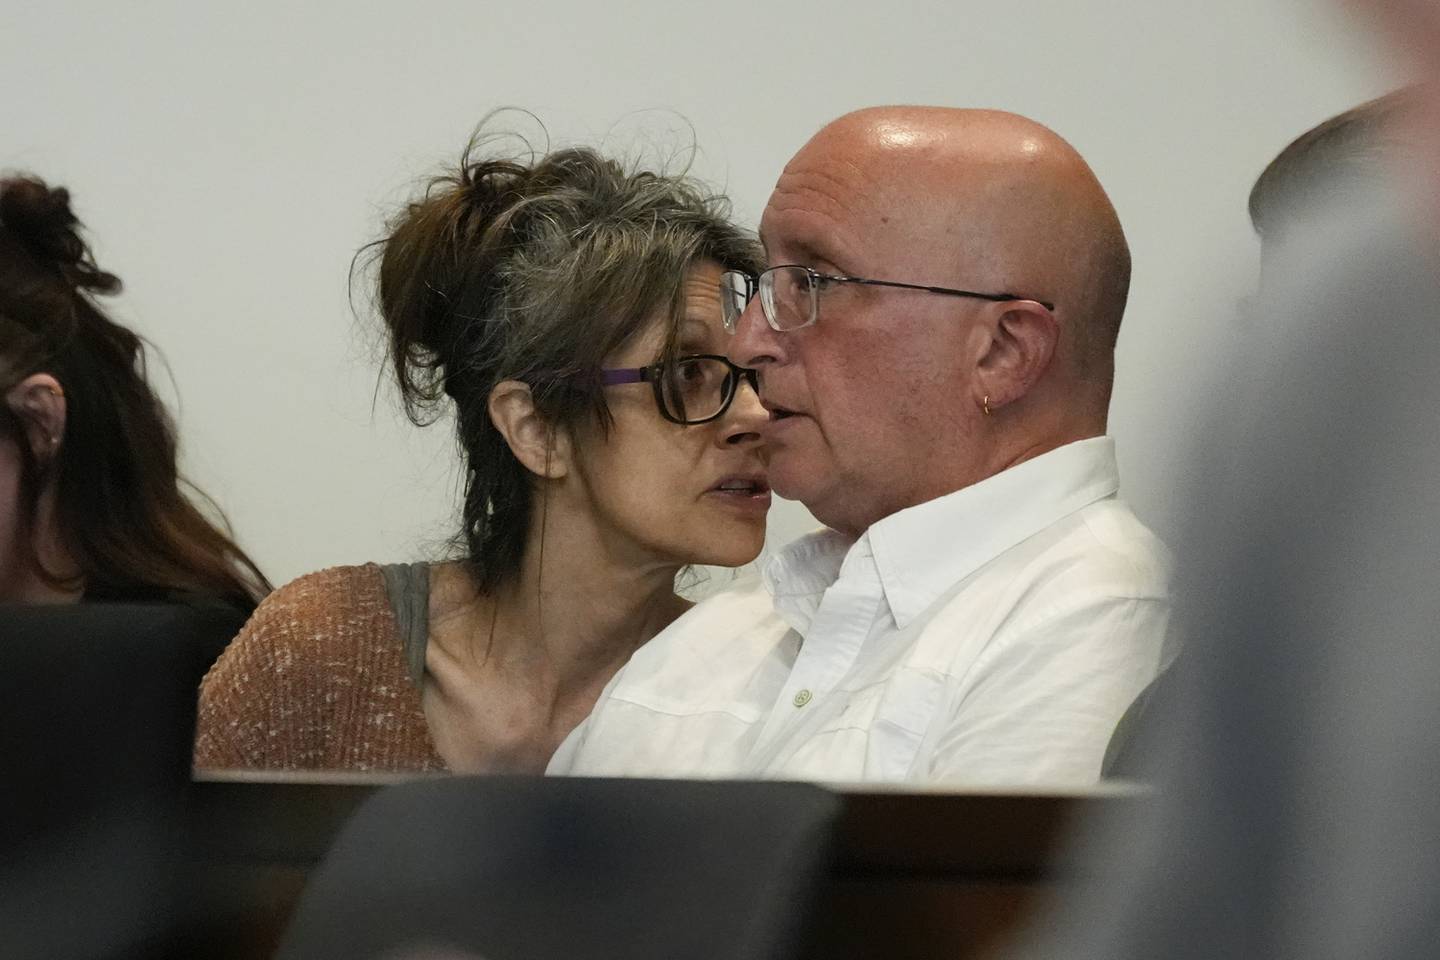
x=1003 y=455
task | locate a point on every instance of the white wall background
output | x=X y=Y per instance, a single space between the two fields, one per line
x=230 y=159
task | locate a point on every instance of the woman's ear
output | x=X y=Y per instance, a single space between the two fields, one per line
x=542 y=449
x=39 y=402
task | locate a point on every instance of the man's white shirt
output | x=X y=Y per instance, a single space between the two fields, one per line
x=990 y=637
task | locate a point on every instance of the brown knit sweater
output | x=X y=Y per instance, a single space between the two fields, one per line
x=316 y=680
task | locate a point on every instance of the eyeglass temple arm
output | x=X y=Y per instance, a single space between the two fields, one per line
x=994 y=297
x=610 y=378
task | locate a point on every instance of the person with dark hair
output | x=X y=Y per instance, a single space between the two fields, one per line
x=91 y=505
x=568 y=310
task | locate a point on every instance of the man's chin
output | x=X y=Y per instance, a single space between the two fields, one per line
x=787 y=484
x=826 y=503
x=810 y=481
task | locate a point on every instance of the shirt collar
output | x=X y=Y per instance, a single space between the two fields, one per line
x=800 y=573
x=922 y=551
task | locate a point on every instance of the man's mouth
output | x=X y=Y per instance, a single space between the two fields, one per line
x=776 y=411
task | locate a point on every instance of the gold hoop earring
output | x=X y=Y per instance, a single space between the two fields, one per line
x=985 y=404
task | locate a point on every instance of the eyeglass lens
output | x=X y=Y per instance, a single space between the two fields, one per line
x=788 y=297
x=694 y=389
x=735 y=291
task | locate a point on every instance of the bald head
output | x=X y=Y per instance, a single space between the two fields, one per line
x=1003 y=202
x=884 y=397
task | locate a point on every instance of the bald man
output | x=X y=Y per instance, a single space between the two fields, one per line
x=935 y=340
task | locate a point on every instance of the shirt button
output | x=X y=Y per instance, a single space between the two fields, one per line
x=802 y=698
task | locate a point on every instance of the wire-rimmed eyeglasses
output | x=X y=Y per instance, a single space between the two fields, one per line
x=789 y=294
x=692 y=389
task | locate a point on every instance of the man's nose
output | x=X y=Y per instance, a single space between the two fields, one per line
x=742 y=421
x=755 y=343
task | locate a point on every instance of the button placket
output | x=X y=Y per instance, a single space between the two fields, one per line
x=839 y=631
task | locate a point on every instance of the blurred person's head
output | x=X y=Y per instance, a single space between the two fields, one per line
x=1412 y=28
x=560 y=301
x=90 y=501
x=1344 y=161
x=895 y=396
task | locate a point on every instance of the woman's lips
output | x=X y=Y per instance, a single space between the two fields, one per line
x=747 y=492
x=750 y=486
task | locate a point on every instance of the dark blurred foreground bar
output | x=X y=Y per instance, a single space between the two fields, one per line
x=109 y=852
x=97 y=714
x=894 y=874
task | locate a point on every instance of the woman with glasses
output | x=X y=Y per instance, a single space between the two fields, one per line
x=569 y=310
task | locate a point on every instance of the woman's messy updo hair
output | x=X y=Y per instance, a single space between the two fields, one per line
x=536 y=269
x=121 y=512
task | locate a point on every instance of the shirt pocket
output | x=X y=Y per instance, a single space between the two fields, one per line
x=905 y=712
x=877 y=735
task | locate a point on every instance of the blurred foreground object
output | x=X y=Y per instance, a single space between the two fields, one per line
x=97 y=709
x=543 y=869
x=906 y=876
x=1297 y=760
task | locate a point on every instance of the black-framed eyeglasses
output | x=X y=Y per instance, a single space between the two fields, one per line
x=692 y=389
x=789 y=294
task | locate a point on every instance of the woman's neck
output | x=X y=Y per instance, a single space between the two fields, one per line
x=42 y=552
x=576 y=623
x=582 y=602
x=512 y=672
x=31 y=587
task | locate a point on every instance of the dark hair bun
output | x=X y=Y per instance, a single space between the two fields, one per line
x=38 y=219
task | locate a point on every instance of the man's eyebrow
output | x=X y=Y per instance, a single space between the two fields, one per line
x=692 y=329
x=805 y=252
x=809 y=254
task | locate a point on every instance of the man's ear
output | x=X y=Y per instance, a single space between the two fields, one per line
x=39 y=402
x=1017 y=342
x=543 y=450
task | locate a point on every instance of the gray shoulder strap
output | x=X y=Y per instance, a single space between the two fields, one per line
x=408 y=585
